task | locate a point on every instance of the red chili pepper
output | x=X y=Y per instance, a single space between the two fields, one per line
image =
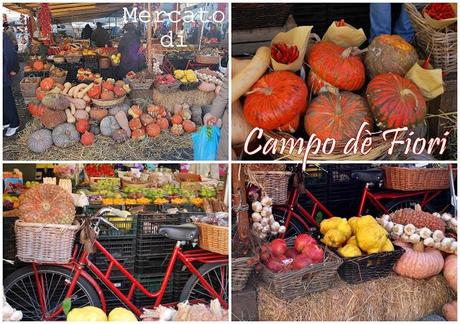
x=284 y=53
x=340 y=23
x=440 y=11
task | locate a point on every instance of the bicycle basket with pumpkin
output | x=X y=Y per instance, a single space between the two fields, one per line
x=46 y=228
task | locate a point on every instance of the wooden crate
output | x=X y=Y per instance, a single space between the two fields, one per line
x=447 y=102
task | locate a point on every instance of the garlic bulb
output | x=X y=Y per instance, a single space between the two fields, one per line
x=398 y=230
x=386 y=217
x=256 y=217
x=409 y=229
x=453 y=247
x=266 y=211
x=453 y=221
x=381 y=221
x=446 y=217
x=446 y=242
x=438 y=215
x=414 y=238
x=257 y=226
x=282 y=229
x=405 y=238
x=257 y=206
x=428 y=241
x=266 y=201
x=389 y=226
x=437 y=245
x=275 y=226
x=264 y=221
x=266 y=229
x=438 y=236
x=425 y=233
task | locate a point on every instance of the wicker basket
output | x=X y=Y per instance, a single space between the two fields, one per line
x=213 y=238
x=299 y=283
x=241 y=271
x=109 y=103
x=189 y=86
x=369 y=267
x=273 y=183
x=60 y=80
x=140 y=84
x=166 y=87
x=28 y=88
x=413 y=179
x=207 y=59
x=45 y=243
x=440 y=44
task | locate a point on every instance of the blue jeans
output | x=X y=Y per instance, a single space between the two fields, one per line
x=380 y=16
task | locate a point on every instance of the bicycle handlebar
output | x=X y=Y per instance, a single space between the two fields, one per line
x=106 y=210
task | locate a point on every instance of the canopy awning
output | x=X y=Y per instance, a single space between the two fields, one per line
x=71 y=12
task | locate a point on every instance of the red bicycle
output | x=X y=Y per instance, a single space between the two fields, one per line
x=298 y=220
x=39 y=290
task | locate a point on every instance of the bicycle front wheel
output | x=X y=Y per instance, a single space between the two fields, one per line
x=216 y=275
x=21 y=292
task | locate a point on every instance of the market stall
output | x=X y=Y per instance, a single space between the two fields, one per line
x=315 y=84
x=138 y=231
x=341 y=242
x=109 y=103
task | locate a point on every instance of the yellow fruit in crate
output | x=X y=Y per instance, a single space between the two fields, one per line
x=179 y=74
x=371 y=237
x=122 y=223
x=86 y=314
x=334 y=238
x=328 y=224
x=345 y=228
x=183 y=80
x=349 y=251
x=121 y=314
x=352 y=241
x=353 y=222
x=387 y=246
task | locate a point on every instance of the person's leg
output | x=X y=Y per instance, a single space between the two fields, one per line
x=380 y=17
x=403 y=26
x=10 y=113
x=222 y=153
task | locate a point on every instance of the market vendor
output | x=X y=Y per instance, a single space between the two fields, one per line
x=218 y=115
x=213 y=35
x=381 y=21
x=129 y=48
x=100 y=37
x=86 y=32
x=10 y=68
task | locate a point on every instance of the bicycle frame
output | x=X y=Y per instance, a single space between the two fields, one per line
x=375 y=198
x=307 y=219
x=187 y=257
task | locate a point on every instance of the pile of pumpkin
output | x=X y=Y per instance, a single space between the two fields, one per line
x=37 y=65
x=69 y=114
x=341 y=103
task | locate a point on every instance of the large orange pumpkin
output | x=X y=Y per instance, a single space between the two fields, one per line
x=94 y=92
x=38 y=65
x=389 y=53
x=40 y=93
x=153 y=130
x=275 y=99
x=47 y=84
x=36 y=110
x=395 y=101
x=291 y=126
x=337 y=116
x=418 y=262
x=47 y=204
x=333 y=65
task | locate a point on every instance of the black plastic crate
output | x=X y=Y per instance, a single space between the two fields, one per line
x=154 y=246
x=180 y=279
x=152 y=283
x=123 y=250
x=150 y=264
x=148 y=224
x=9 y=248
x=127 y=227
x=341 y=173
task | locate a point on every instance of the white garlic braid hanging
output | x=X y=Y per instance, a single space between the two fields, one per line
x=263 y=222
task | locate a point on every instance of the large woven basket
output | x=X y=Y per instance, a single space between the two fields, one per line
x=109 y=103
x=241 y=271
x=440 y=44
x=140 y=84
x=45 y=243
x=273 y=183
x=61 y=79
x=73 y=59
x=207 y=59
x=213 y=238
x=298 y=283
x=28 y=88
x=166 y=87
x=369 y=267
x=413 y=179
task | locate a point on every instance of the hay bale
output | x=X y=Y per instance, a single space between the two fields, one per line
x=392 y=298
x=192 y=98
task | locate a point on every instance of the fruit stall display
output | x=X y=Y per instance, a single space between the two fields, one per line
x=303 y=87
x=378 y=258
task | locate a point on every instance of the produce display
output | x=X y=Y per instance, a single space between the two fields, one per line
x=187 y=312
x=94 y=314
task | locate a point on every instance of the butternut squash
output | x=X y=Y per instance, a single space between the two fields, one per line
x=240 y=127
x=238 y=65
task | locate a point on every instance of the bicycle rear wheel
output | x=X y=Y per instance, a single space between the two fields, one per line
x=406 y=203
x=21 y=291
x=216 y=275
x=295 y=225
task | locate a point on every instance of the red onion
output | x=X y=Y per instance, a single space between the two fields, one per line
x=303 y=240
x=291 y=253
x=301 y=261
x=278 y=247
x=314 y=252
x=275 y=265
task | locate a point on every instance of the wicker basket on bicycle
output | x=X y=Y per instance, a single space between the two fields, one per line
x=45 y=243
x=213 y=238
x=272 y=183
x=369 y=267
x=413 y=179
x=299 y=283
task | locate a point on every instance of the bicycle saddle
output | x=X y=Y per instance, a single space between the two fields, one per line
x=186 y=232
x=369 y=175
